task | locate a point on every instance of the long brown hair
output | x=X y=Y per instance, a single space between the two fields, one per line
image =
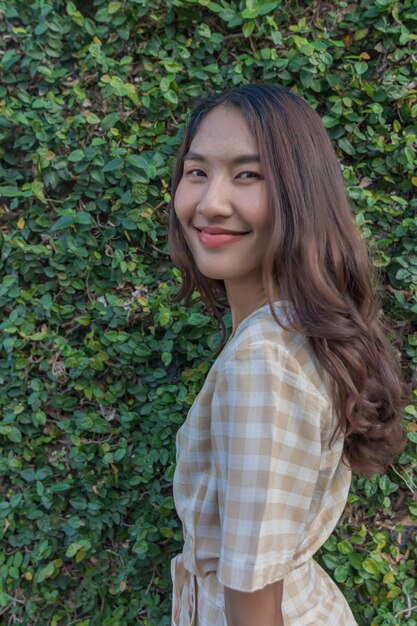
x=320 y=264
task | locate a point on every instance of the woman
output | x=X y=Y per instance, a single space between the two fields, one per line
x=305 y=389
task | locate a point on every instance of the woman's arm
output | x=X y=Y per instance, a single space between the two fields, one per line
x=256 y=607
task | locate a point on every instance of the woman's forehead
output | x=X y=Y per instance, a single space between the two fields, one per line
x=224 y=131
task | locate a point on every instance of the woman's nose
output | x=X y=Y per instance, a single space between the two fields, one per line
x=214 y=200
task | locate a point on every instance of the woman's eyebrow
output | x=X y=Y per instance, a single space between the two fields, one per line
x=239 y=160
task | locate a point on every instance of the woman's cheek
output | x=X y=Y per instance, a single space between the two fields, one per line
x=180 y=201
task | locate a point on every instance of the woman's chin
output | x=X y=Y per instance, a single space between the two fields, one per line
x=210 y=272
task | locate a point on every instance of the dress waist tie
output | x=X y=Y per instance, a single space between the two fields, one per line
x=184 y=594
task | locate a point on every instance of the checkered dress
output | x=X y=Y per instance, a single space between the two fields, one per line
x=257 y=488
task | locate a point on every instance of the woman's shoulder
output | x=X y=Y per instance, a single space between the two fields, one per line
x=260 y=337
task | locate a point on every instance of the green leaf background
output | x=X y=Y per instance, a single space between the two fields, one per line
x=97 y=367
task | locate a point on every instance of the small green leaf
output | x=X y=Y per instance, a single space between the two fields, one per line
x=45 y=572
x=112 y=165
x=402 y=274
x=40 y=29
x=344 y=547
x=79 y=503
x=76 y=155
x=340 y=573
x=171 y=97
x=197 y=319
x=72 y=549
x=254 y=8
x=361 y=67
x=413 y=509
x=138 y=161
x=63 y=222
x=370 y=566
x=92 y=118
x=360 y=33
x=4 y=599
x=330 y=122
x=248 y=28
x=346 y=146
x=113 y=7
x=83 y=218
x=110 y=120
x=12 y=192
x=14 y=434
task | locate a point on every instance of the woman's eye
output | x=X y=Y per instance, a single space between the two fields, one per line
x=196 y=172
x=249 y=175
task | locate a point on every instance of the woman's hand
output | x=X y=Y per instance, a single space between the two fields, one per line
x=256 y=607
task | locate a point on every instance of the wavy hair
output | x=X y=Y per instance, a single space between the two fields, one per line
x=320 y=264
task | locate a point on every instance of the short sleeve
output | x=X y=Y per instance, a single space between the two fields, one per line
x=266 y=449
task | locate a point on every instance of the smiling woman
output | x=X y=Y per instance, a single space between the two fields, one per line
x=222 y=205
x=305 y=390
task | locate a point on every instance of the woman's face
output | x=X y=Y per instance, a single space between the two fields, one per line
x=221 y=201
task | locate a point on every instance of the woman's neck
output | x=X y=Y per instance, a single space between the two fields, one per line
x=245 y=298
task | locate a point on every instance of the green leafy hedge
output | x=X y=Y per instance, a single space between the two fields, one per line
x=97 y=368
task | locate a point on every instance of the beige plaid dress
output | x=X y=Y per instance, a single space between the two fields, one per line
x=256 y=486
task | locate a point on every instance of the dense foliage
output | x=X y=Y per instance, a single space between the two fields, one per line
x=97 y=368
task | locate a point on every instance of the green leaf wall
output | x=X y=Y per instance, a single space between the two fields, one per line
x=97 y=367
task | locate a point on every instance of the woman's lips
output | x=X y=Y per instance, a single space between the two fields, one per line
x=219 y=239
